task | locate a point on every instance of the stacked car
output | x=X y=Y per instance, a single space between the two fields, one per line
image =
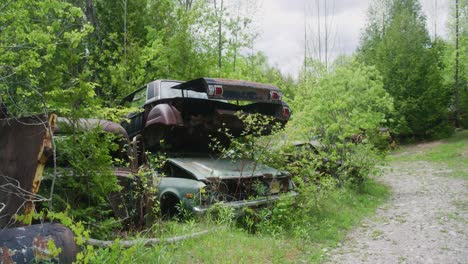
x=180 y=119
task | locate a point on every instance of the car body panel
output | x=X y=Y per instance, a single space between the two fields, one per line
x=208 y=168
x=200 y=209
x=180 y=187
x=232 y=89
x=200 y=182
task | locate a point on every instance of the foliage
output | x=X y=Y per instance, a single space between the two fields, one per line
x=41 y=45
x=86 y=179
x=300 y=235
x=127 y=49
x=342 y=103
x=253 y=143
x=78 y=58
x=402 y=52
x=147 y=181
x=339 y=110
x=448 y=59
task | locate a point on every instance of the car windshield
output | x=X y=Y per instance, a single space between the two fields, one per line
x=168 y=92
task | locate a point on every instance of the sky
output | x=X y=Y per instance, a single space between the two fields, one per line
x=281 y=26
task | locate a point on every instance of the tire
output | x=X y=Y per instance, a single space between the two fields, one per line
x=169 y=203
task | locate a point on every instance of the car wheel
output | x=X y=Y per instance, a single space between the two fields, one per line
x=169 y=204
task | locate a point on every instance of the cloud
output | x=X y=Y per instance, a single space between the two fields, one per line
x=282 y=28
x=282 y=37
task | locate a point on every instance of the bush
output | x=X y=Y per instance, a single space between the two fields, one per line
x=83 y=186
x=343 y=110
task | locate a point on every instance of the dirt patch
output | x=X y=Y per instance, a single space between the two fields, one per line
x=425 y=221
x=465 y=153
x=419 y=148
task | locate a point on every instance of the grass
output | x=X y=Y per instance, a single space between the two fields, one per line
x=451 y=153
x=305 y=234
x=307 y=240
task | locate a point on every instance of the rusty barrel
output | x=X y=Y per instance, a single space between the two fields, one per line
x=34 y=244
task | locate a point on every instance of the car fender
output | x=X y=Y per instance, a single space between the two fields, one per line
x=179 y=187
x=164 y=114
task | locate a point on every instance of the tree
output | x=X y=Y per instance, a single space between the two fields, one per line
x=42 y=56
x=319 y=33
x=378 y=18
x=348 y=101
x=456 y=61
x=457 y=68
x=343 y=102
x=408 y=62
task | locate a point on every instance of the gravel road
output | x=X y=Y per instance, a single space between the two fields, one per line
x=425 y=220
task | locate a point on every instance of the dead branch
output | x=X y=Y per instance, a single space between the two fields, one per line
x=12 y=187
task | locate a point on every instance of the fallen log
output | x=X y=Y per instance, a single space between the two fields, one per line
x=144 y=241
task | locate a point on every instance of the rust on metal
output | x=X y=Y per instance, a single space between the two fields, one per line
x=41 y=247
x=25 y=146
x=31 y=244
x=6 y=255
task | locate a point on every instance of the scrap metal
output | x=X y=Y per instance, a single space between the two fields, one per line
x=25 y=146
x=37 y=243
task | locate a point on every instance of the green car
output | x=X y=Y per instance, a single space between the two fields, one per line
x=196 y=183
x=199 y=182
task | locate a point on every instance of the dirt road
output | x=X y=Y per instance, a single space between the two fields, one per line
x=425 y=221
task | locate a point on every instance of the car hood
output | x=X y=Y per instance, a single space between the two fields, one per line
x=209 y=168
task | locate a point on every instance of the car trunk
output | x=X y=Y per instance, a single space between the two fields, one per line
x=198 y=121
x=206 y=109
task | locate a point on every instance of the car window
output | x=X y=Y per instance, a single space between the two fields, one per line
x=168 y=92
x=152 y=91
x=171 y=170
x=139 y=98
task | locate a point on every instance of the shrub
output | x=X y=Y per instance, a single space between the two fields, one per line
x=86 y=181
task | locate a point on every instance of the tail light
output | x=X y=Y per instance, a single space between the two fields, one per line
x=275 y=95
x=215 y=90
x=286 y=111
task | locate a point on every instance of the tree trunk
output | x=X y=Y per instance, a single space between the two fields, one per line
x=457 y=95
x=220 y=35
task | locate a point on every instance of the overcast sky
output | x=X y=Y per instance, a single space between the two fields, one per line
x=281 y=27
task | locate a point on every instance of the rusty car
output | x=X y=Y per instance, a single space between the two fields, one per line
x=185 y=116
x=179 y=119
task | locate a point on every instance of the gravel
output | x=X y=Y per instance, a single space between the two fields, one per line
x=425 y=220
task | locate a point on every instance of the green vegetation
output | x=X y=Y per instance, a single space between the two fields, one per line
x=401 y=50
x=79 y=58
x=343 y=110
x=82 y=188
x=451 y=152
x=305 y=240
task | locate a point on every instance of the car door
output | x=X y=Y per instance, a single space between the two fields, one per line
x=134 y=122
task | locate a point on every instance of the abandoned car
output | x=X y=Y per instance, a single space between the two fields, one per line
x=180 y=119
x=186 y=116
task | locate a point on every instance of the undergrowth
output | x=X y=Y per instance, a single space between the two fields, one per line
x=335 y=190
x=301 y=235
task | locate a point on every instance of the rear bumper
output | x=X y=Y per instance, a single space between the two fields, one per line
x=245 y=203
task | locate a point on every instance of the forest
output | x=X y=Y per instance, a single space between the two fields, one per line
x=80 y=58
